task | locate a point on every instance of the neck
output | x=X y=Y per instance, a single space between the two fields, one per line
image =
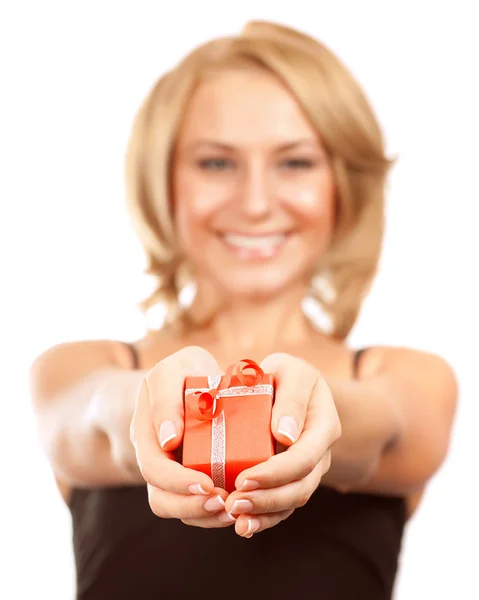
x=259 y=326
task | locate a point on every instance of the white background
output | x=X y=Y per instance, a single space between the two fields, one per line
x=72 y=76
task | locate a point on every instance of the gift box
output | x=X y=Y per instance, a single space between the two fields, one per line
x=228 y=422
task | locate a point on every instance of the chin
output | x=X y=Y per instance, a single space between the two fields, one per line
x=255 y=286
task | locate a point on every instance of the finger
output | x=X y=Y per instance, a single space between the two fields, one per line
x=247 y=525
x=166 y=386
x=158 y=467
x=273 y=500
x=168 y=505
x=294 y=382
x=321 y=430
x=217 y=521
x=209 y=522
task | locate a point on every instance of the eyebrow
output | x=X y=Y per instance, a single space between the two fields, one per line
x=229 y=147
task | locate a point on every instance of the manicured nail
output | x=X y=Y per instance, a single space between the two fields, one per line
x=167 y=432
x=241 y=506
x=225 y=517
x=214 y=504
x=195 y=488
x=253 y=526
x=249 y=484
x=288 y=427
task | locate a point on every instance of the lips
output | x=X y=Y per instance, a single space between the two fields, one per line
x=255 y=246
x=254 y=242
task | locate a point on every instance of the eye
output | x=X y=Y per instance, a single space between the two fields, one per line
x=214 y=164
x=298 y=163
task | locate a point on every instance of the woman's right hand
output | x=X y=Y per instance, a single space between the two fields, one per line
x=157 y=431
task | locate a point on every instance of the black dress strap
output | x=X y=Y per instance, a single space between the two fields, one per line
x=135 y=358
x=356 y=360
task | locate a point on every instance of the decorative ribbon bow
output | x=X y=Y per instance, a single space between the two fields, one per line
x=206 y=406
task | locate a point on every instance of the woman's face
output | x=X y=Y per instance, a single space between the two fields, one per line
x=253 y=191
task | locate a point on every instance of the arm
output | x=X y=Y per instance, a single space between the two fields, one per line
x=83 y=393
x=386 y=433
x=396 y=422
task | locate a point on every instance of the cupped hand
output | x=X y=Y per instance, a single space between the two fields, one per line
x=304 y=419
x=156 y=431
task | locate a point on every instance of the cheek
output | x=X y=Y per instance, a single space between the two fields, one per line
x=316 y=205
x=191 y=208
x=311 y=203
x=196 y=201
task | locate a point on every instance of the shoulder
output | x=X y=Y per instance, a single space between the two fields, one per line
x=85 y=355
x=406 y=362
x=420 y=377
x=58 y=365
x=75 y=358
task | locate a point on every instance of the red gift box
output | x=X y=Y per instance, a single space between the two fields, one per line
x=228 y=422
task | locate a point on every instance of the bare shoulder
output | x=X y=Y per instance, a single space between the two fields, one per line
x=419 y=377
x=69 y=360
x=63 y=363
x=423 y=368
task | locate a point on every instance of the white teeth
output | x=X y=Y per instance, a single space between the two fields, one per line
x=254 y=242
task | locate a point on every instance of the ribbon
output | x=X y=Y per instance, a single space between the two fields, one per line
x=208 y=406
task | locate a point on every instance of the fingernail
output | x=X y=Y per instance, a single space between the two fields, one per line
x=195 y=488
x=241 y=506
x=167 y=432
x=253 y=526
x=249 y=484
x=214 y=504
x=288 y=427
x=225 y=517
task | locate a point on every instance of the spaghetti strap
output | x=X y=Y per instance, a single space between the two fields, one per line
x=356 y=360
x=135 y=359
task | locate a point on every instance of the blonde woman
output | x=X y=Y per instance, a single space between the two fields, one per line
x=256 y=172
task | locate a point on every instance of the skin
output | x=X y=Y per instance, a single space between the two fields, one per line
x=248 y=161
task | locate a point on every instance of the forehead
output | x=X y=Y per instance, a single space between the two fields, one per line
x=243 y=107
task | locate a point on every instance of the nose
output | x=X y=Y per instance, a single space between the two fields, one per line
x=256 y=201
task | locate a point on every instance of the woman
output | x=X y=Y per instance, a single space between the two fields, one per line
x=256 y=170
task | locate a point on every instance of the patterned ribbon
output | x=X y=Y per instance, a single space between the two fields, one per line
x=207 y=405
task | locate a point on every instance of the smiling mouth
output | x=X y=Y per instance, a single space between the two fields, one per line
x=255 y=246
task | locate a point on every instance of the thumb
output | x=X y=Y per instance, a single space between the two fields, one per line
x=294 y=382
x=166 y=387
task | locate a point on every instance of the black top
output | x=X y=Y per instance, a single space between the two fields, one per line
x=336 y=547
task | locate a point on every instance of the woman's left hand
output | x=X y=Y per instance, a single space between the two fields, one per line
x=304 y=419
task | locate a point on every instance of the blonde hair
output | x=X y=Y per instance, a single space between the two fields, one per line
x=337 y=108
